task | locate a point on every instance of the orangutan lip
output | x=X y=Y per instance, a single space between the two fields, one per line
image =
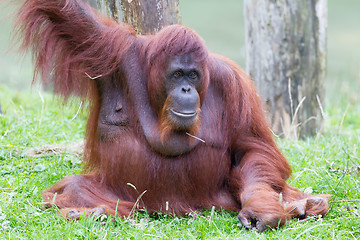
x=184 y=115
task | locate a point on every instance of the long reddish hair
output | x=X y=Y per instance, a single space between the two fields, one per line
x=174 y=40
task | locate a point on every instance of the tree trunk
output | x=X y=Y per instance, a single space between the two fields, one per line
x=146 y=16
x=286 y=57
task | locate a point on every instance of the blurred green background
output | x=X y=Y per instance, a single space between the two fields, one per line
x=220 y=23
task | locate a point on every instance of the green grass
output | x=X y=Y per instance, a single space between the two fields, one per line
x=327 y=163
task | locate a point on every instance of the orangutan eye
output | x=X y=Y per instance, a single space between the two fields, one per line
x=177 y=74
x=193 y=75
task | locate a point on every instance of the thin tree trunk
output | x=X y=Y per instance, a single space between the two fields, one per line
x=146 y=16
x=286 y=57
